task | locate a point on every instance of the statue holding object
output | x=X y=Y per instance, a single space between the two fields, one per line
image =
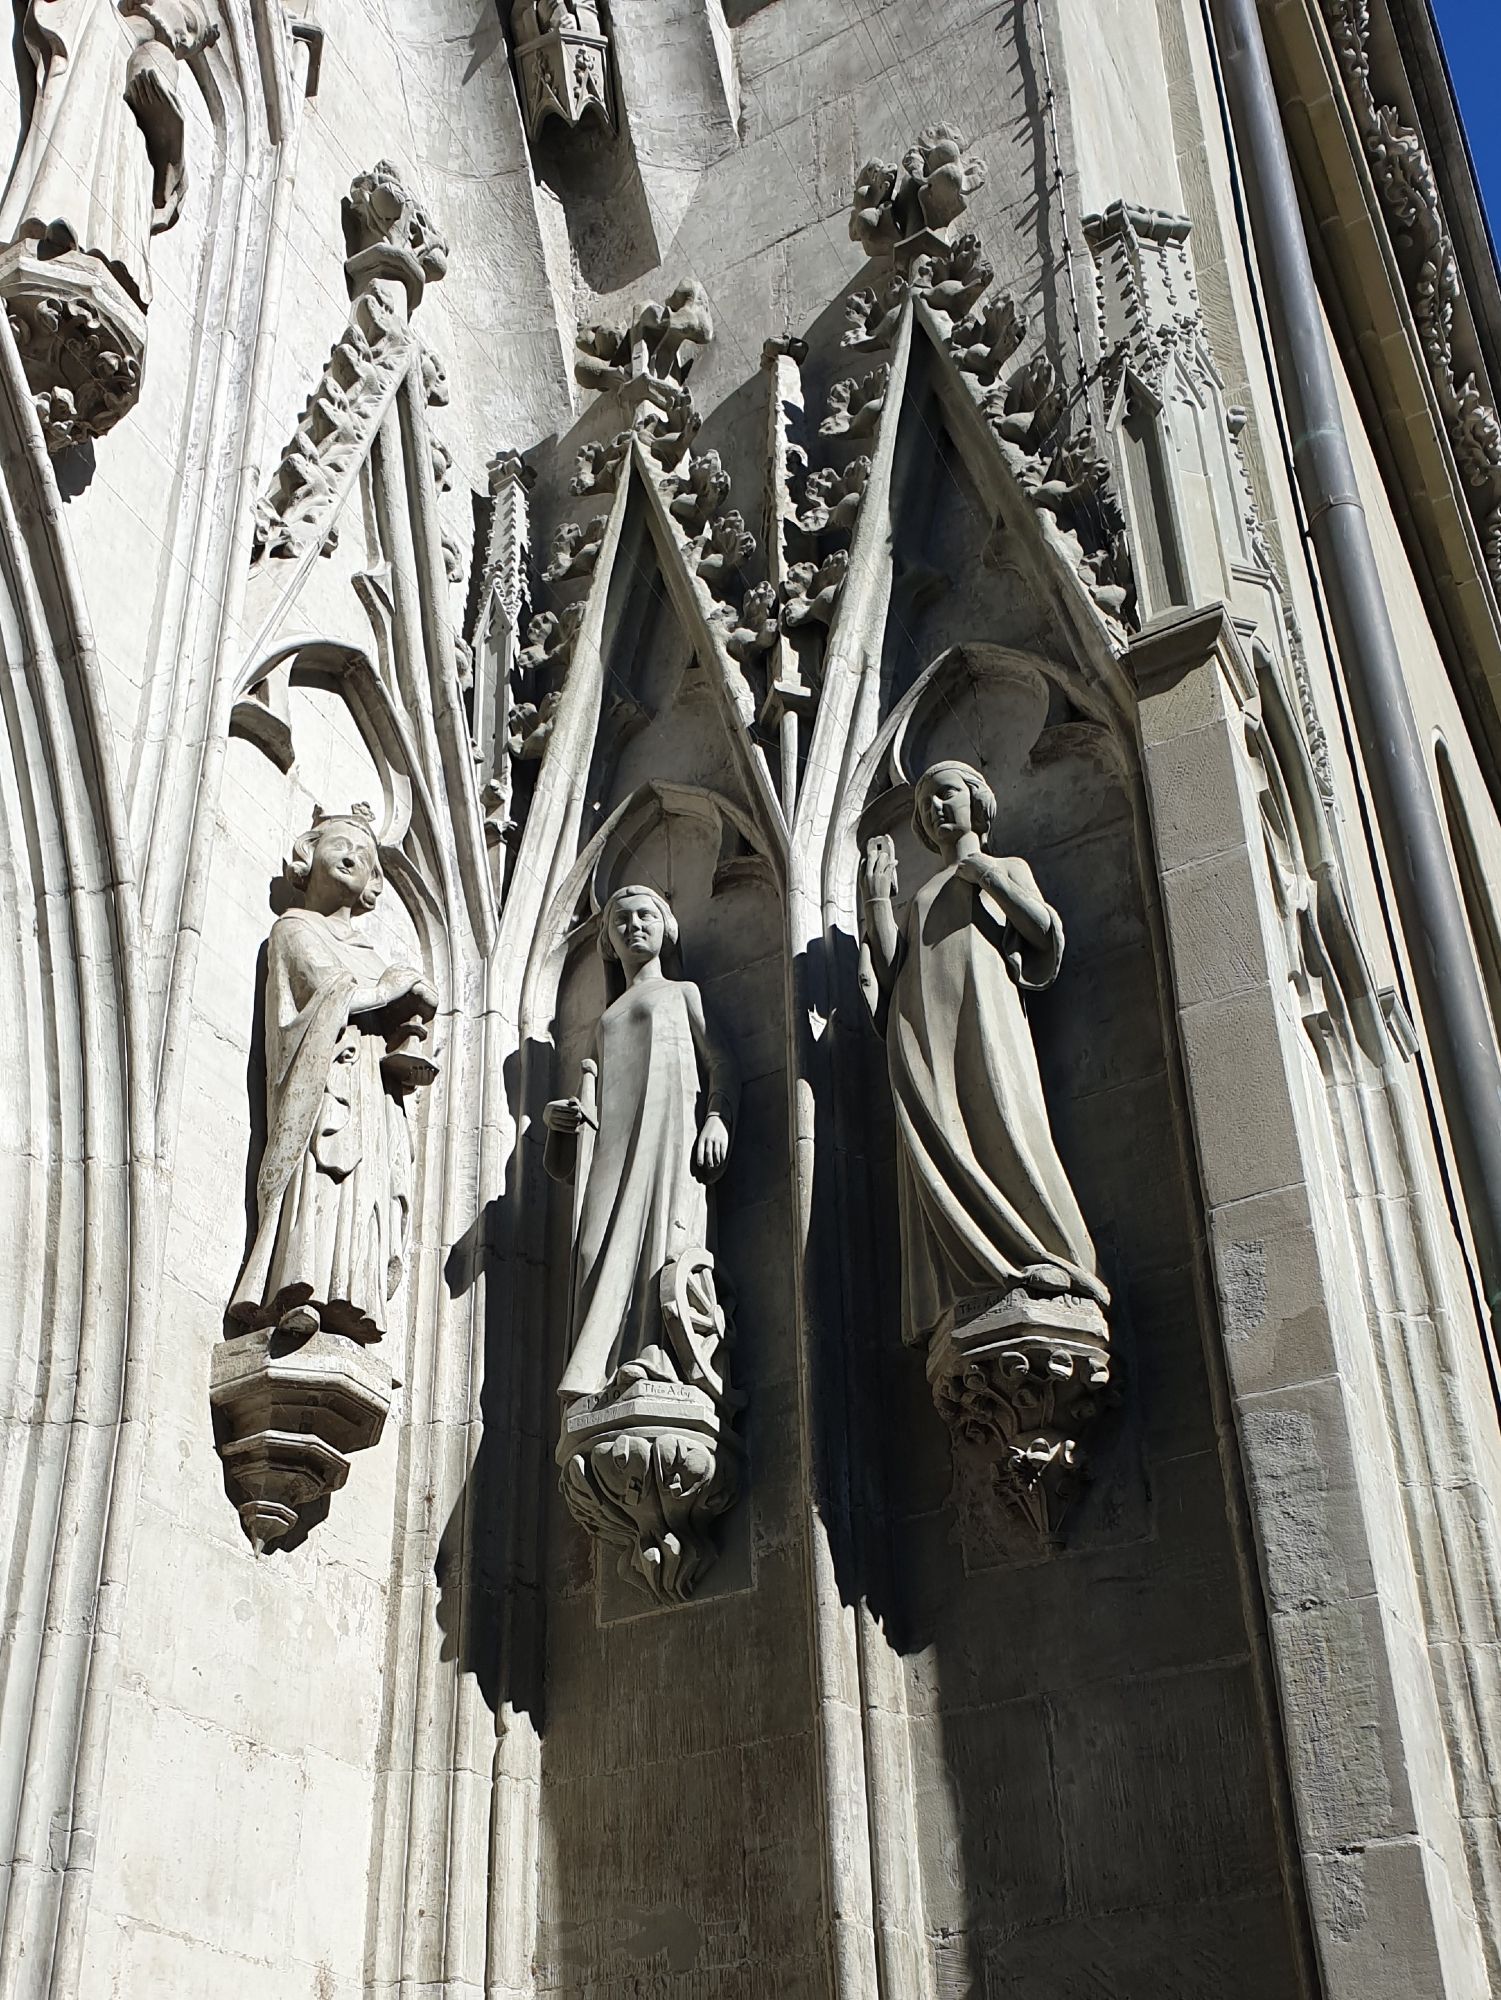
x=999 y=1277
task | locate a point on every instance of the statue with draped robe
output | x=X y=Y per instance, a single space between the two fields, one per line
x=646 y=1454
x=999 y=1278
x=342 y=1036
x=102 y=167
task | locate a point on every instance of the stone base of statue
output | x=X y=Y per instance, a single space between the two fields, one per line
x=1018 y=1377
x=81 y=338
x=289 y=1408
x=565 y=73
x=647 y=1466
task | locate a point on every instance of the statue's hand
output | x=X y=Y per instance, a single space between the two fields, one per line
x=878 y=875
x=564 y=1114
x=984 y=870
x=404 y=982
x=713 y=1148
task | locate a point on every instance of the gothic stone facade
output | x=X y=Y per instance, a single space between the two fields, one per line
x=735 y=1258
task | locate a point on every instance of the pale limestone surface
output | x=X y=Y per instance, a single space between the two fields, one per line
x=1233 y=1727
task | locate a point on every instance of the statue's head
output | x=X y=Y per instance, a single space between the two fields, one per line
x=635 y=925
x=336 y=863
x=951 y=799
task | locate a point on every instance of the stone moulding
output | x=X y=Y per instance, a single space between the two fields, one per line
x=1019 y=1379
x=1408 y=189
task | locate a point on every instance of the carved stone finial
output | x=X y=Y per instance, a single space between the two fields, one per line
x=658 y=346
x=919 y=199
x=395 y=252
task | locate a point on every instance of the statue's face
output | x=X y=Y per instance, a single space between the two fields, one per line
x=948 y=806
x=636 y=930
x=343 y=867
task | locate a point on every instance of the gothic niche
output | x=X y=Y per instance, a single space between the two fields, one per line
x=563 y=61
x=295 y=1387
x=999 y=1277
x=101 y=170
x=647 y=1454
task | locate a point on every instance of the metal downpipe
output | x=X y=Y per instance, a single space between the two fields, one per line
x=1427 y=895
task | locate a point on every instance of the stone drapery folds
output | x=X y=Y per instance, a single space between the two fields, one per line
x=343 y=1054
x=646 y=1452
x=102 y=168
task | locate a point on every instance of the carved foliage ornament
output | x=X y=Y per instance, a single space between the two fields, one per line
x=1408 y=189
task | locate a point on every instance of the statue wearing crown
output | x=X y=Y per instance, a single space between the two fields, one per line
x=343 y=1034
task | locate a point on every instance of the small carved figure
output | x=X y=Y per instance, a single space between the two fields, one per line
x=549 y=639
x=668 y=423
x=929 y=190
x=575 y=549
x=831 y=500
x=703 y=490
x=952 y=286
x=530 y=725
x=939 y=178
x=872 y=215
x=811 y=590
x=342 y=1035
x=873 y=320
x=725 y=548
x=855 y=406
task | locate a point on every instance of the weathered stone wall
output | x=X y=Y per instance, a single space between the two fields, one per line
x=1217 y=1721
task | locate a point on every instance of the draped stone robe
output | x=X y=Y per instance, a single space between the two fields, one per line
x=984 y=1196
x=643 y=1205
x=335 y=1180
x=101 y=165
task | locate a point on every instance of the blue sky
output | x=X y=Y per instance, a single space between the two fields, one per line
x=1472 y=40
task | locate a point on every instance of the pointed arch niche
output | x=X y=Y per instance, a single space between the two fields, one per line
x=1028 y=1666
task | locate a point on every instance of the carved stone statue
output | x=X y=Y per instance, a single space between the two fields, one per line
x=102 y=167
x=342 y=1055
x=999 y=1279
x=645 y=1453
x=295 y=1385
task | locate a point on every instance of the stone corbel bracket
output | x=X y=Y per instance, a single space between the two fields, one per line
x=651 y=1462
x=287 y=1416
x=395 y=252
x=564 y=64
x=1020 y=1379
